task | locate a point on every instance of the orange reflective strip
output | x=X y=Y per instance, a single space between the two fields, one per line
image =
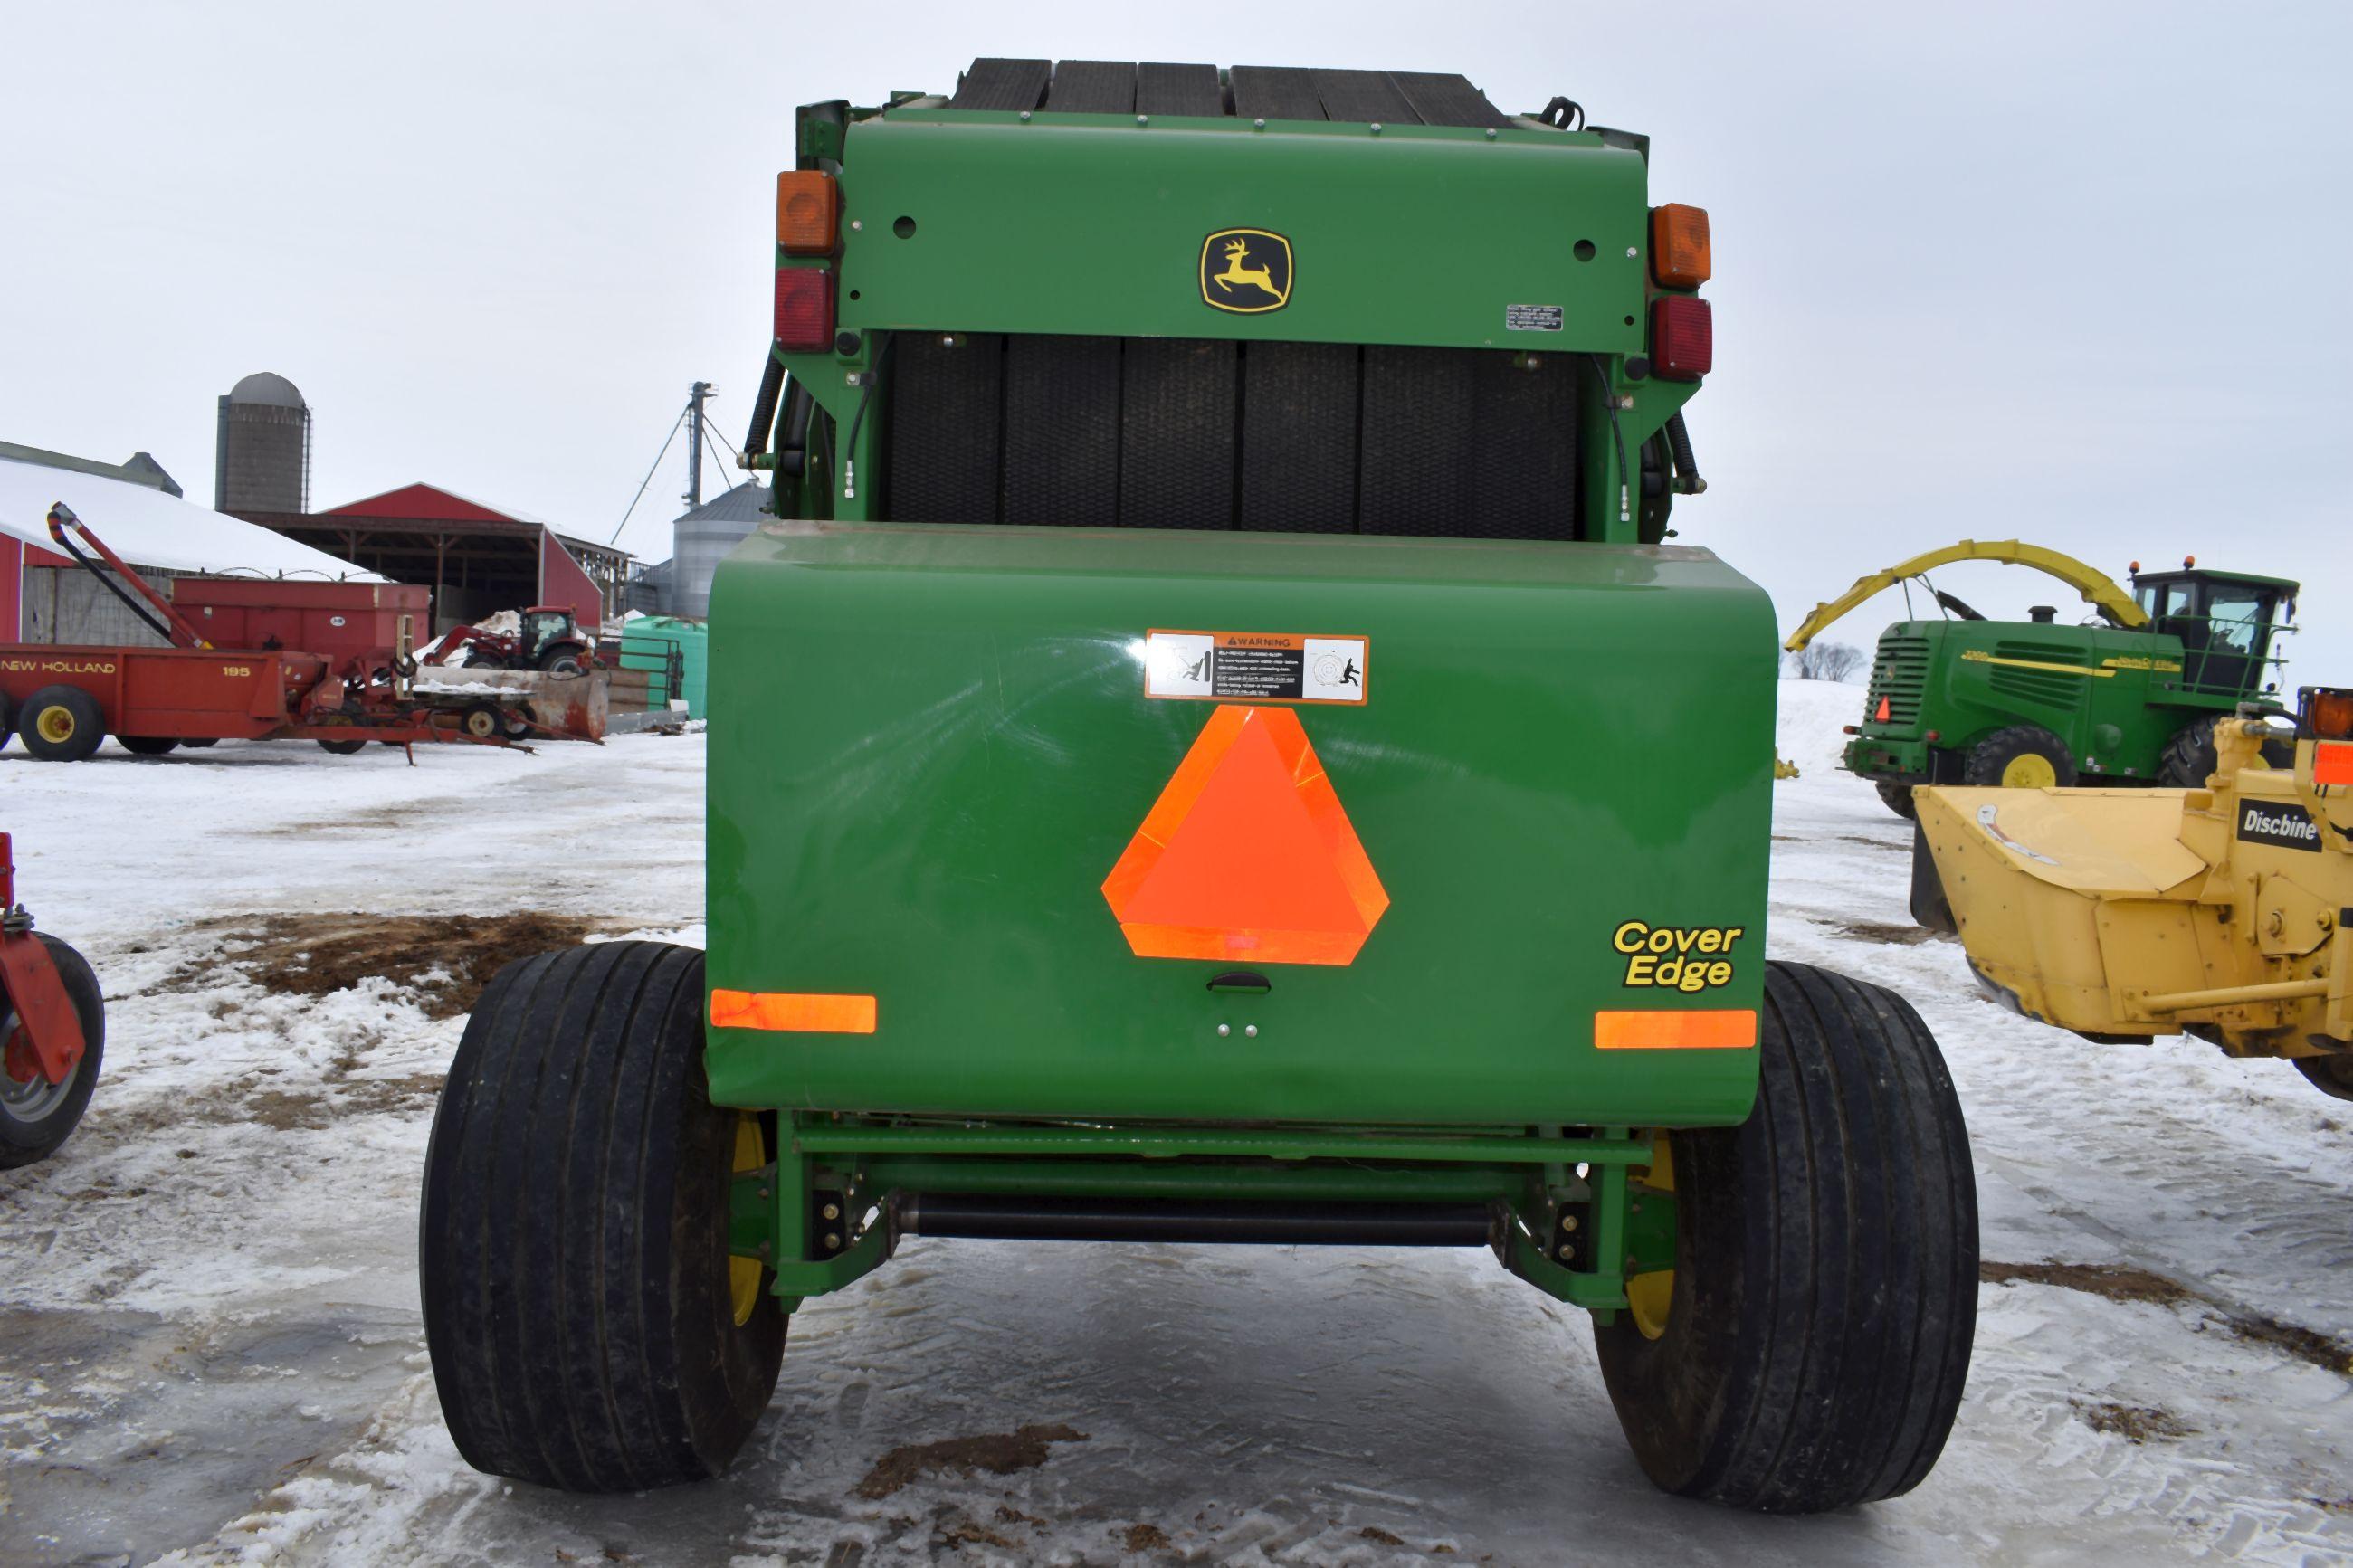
x=792 y=1012
x=1725 y=1029
x=2332 y=764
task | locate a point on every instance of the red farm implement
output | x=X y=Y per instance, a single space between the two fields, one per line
x=52 y=1031
x=249 y=660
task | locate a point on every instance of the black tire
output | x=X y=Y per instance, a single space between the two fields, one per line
x=573 y=1234
x=35 y=1118
x=201 y=741
x=1930 y=907
x=147 y=745
x=1825 y=1290
x=481 y=721
x=7 y=721
x=343 y=748
x=61 y=725
x=1992 y=757
x=563 y=660
x=2331 y=1075
x=1897 y=798
x=2190 y=759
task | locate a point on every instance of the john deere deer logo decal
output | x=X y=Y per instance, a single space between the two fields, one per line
x=1246 y=270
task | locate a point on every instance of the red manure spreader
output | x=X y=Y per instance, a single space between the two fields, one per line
x=52 y=1032
x=249 y=659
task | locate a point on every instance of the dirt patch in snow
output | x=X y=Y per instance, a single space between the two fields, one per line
x=2134 y=1422
x=1144 y=1538
x=1881 y=932
x=999 y=1453
x=2116 y=1282
x=443 y=960
x=2122 y=1282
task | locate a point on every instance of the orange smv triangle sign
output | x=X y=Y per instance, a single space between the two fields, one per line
x=1247 y=856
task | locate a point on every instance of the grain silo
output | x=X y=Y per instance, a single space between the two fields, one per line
x=702 y=539
x=261 y=454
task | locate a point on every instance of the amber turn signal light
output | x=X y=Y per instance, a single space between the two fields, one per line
x=1679 y=253
x=2328 y=713
x=808 y=212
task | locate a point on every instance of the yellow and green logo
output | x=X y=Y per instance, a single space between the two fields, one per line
x=1246 y=271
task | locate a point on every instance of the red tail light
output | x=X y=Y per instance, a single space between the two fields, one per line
x=804 y=308
x=1683 y=338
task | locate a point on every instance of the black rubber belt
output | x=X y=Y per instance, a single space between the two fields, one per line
x=1002 y=84
x=1179 y=89
x=1061 y=431
x=1441 y=100
x=1366 y=96
x=1177 y=433
x=946 y=397
x=1092 y=87
x=1274 y=92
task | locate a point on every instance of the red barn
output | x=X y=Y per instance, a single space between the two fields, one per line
x=477 y=560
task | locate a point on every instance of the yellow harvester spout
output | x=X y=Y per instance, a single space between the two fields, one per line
x=2125 y=914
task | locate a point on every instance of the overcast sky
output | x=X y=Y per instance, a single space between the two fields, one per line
x=2066 y=272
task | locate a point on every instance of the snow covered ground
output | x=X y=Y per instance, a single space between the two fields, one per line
x=210 y=1353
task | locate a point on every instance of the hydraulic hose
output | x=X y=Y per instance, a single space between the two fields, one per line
x=764 y=411
x=1687 y=480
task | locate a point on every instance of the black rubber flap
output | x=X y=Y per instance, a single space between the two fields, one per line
x=1061 y=431
x=1002 y=84
x=1442 y=99
x=1274 y=92
x=1092 y=87
x=945 y=392
x=1473 y=443
x=1365 y=96
x=1179 y=89
x=1299 y=439
x=1177 y=433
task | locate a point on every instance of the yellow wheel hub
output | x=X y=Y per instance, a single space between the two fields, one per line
x=56 y=725
x=2029 y=770
x=743 y=1273
x=1650 y=1294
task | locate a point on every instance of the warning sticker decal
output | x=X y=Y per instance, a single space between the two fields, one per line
x=1531 y=318
x=1255 y=667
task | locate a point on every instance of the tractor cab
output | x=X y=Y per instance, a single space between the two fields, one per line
x=549 y=638
x=2225 y=620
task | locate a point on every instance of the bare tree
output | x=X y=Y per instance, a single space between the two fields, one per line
x=1826 y=661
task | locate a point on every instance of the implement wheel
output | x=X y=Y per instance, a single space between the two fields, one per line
x=1816 y=1331
x=2024 y=756
x=147 y=745
x=36 y=1115
x=2330 y=1075
x=1897 y=798
x=588 y=1329
x=61 y=725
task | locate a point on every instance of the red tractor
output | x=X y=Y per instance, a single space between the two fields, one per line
x=52 y=1032
x=549 y=639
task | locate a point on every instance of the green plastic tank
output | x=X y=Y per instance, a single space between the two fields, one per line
x=647 y=643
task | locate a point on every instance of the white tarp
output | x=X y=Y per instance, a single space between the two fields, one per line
x=148 y=528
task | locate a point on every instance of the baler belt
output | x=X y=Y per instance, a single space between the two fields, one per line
x=1442 y=99
x=1257 y=92
x=1002 y=84
x=1274 y=92
x=1299 y=439
x=1092 y=87
x=1062 y=430
x=1177 y=433
x=1271 y=436
x=944 y=453
x=1468 y=444
x=1365 y=96
x=1179 y=89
